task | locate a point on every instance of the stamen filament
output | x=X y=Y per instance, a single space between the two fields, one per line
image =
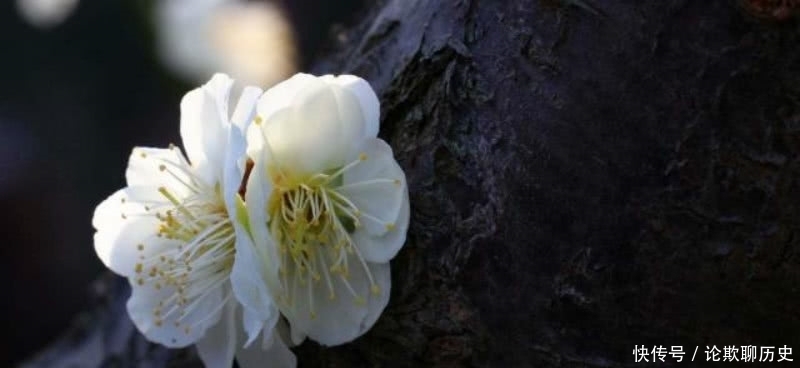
x=344 y=169
x=365 y=183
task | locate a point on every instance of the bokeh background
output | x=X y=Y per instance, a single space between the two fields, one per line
x=83 y=82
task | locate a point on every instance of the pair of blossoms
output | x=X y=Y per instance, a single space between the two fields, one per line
x=277 y=225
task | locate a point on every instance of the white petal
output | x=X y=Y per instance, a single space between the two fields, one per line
x=283 y=332
x=151 y=168
x=318 y=131
x=273 y=352
x=259 y=188
x=253 y=325
x=146 y=298
x=342 y=319
x=377 y=302
x=302 y=137
x=194 y=107
x=383 y=248
x=376 y=186
x=183 y=42
x=122 y=248
x=249 y=279
x=235 y=162
x=282 y=94
x=108 y=214
x=353 y=124
x=217 y=347
x=45 y=14
x=245 y=109
x=368 y=101
x=204 y=125
x=296 y=335
x=219 y=88
x=233 y=169
x=255 y=141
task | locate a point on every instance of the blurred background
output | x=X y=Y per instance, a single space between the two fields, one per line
x=83 y=82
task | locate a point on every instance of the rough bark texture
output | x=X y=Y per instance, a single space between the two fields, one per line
x=583 y=179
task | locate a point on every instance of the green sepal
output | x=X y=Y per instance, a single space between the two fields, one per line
x=241 y=213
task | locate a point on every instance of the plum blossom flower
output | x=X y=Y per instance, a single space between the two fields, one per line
x=328 y=208
x=173 y=231
x=252 y=41
x=45 y=14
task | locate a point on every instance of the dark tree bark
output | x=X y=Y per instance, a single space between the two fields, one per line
x=584 y=176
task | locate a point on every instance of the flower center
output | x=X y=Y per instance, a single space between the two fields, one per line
x=311 y=222
x=197 y=244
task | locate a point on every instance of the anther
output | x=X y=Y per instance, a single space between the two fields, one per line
x=257 y=120
x=162 y=167
x=389 y=226
x=360 y=301
x=362 y=156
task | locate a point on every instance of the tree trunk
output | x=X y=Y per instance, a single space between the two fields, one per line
x=585 y=177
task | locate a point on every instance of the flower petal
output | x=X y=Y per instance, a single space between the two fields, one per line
x=256 y=264
x=346 y=316
x=151 y=168
x=300 y=136
x=272 y=350
x=253 y=326
x=259 y=188
x=317 y=131
x=283 y=332
x=233 y=169
x=282 y=94
x=384 y=247
x=235 y=163
x=377 y=302
x=368 y=101
x=108 y=214
x=249 y=279
x=120 y=248
x=376 y=186
x=204 y=119
x=296 y=335
x=353 y=124
x=217 y=347
x=245 y=109
x=168 y=327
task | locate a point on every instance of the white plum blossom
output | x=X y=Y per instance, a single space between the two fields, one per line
x=46 y=14
x=173 y=232
x=328 y=209
x=252 y=41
